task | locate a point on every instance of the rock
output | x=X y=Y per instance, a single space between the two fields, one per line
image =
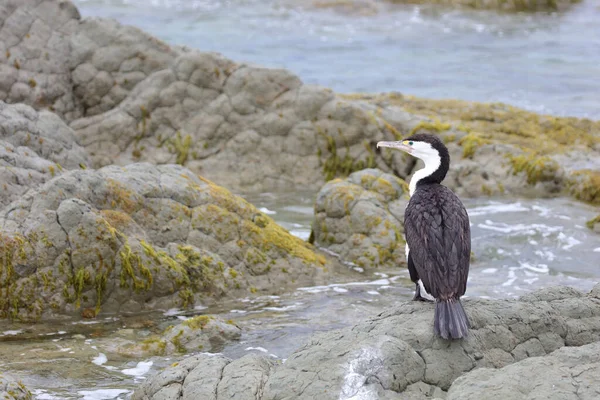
x=130 y=97
x=567 y=373
x=34 y=147
x=201 y=333
x=395 y=355
x=584 y=185
x=500 y=5
x=207 y=377
x=361 y=218
x=54 y=60
x=12 y=389
x=141 y=237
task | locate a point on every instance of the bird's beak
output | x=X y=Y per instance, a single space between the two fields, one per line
x=396 y=145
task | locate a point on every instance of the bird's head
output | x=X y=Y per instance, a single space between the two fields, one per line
x=428 y=148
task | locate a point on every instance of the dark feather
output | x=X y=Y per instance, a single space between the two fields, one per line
x=439 y=237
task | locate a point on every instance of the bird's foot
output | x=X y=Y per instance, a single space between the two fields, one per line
x=418 y=297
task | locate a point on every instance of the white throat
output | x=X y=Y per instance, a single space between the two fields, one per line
x=432 y=163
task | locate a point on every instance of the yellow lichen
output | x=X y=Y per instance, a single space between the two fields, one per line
x=537 y=168
x=592 y=222
x=470 y=143
x=584 y=185
x=434 y=126
x=198 y=322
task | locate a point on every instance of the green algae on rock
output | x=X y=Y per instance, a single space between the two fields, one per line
x=498 y=149
x=594 y=224
x=35 y=146
x=359 y=218
x=12 y=389
x=141 y=237
x=395 y=355
x=500 y=5
x=205 y=333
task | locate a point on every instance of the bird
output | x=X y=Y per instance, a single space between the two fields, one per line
x=438 y=235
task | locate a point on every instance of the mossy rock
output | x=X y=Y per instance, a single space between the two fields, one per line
x=359 y=219
x=139 y=238
x=594 y=224
x=584 y=185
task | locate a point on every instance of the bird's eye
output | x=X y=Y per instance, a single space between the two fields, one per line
x=410 y=143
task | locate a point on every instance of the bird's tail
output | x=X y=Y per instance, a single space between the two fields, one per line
x=450 y=320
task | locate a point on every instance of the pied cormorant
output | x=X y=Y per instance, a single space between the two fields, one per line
x=438 y=235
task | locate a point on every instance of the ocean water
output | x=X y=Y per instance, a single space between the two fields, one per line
x=545 y=62
x=520 y=245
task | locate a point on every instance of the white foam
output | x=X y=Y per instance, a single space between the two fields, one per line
x=521 y=228
x=301 y=234
x=568 y=240
x=283 y=308
x=102 y=394
x=496 y=209
x=100 y=359
x=238 y=311
x=317 y=289
x=173 y=312
x=357 y=370
x=597 y=250
x=489 y=271
x=340 y=290
x=12 y=333
x=265 y=210
x=140 y=369
x=41 y=394
x=373 y=292
x=261 y=349
x=547 y=254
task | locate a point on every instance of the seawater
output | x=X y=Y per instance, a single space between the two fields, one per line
x=545 y=62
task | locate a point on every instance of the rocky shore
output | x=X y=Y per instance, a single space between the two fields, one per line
x=513 y=344
x=117 y=156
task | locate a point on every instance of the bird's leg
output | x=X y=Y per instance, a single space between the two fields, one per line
x=418 y=296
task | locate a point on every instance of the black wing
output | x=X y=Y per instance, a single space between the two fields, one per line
x=437 y=231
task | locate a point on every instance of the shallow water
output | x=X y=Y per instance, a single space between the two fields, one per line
x=519 y=245
x=545 y=62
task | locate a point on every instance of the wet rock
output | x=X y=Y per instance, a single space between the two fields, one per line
x=594 y=224
x=130 y=97
x=12 y=389
x=567 y=373
x=396 y=355
x=52 y=59
x=141 y=237
x=500 y=5
x=34 y=148
x=207 y=376
x=200 y=333
x=361 y=218
x=495 y=149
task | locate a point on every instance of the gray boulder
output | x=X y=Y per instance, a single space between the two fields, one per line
x=568 y=373
x=131 y=97
x=361 y=218
x=200 y=333
x=396 y=356
x=12 y=389
x=34 y=148
x=126 y=239
x=501 y=5
x=51 y=59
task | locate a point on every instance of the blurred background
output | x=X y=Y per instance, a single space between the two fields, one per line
x=547 y=61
